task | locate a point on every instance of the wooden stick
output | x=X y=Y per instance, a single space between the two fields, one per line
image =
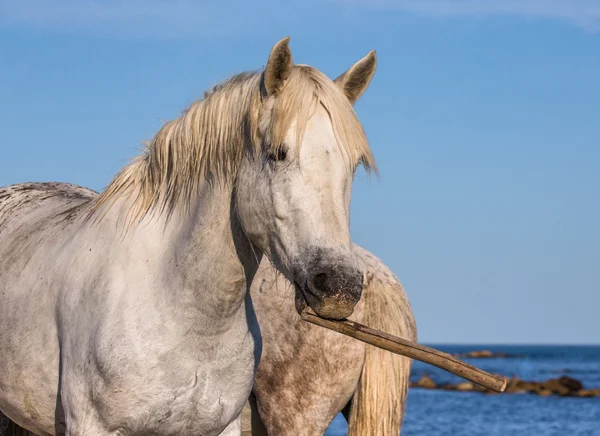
x=410 y=349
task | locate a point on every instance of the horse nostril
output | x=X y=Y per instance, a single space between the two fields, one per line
x=319 y=281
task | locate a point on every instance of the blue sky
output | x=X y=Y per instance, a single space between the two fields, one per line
x=483 y=116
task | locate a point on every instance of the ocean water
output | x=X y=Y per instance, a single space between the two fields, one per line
x=473 y=414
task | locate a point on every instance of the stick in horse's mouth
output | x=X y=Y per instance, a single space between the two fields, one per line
x=409 y=349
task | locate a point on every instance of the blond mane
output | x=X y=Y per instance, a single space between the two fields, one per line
x=208 y=140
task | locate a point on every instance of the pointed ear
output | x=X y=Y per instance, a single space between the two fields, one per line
x=279 y=67
x=356 y=80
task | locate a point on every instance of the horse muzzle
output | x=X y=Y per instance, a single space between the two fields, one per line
x=331 y=291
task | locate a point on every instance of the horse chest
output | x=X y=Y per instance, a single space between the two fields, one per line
x=197 y=409
x=182 y=395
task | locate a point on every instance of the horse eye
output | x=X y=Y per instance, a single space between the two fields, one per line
x=278 y=155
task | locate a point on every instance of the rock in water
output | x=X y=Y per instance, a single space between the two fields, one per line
x=426 y=382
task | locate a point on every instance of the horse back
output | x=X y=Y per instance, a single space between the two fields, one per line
x=43 y=200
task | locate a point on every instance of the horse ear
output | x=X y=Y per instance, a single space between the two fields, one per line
x=356 y=80
x=279 y=67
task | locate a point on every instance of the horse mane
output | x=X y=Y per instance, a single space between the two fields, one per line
x=208 y=140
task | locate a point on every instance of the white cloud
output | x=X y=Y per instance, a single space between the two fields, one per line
x=583 y=13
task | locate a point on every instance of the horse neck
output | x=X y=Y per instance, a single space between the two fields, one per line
x=203 y=258
x=216 y=256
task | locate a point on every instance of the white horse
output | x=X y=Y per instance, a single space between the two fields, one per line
x=308 y=374
x=127 y=313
